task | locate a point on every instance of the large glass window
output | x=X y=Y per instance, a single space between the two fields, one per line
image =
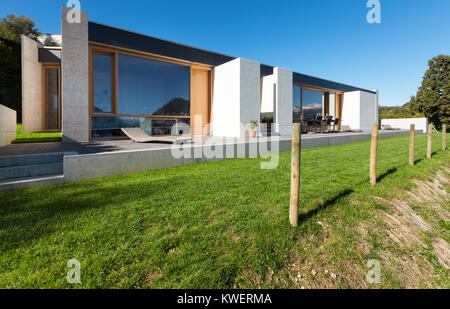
x=312 y=104
x=151 y=87
x=102 y=83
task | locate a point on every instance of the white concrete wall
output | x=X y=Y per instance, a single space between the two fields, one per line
x=8 y=121
x=268 y=100
x=236 y=98
x=75 y=79
x=405 y=123
x=31 y=86
x=351 y=109
x=284 y=96
x=368 y=110
x=250 y=91
x=226 y=99
x=332 y=104
x=359 y=110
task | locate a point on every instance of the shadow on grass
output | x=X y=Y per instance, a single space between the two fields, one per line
x=389 y=172
x=22 y=221
x=328 y=203
x=417 y=161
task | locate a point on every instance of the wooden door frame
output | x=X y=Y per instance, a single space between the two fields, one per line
x=46 y=66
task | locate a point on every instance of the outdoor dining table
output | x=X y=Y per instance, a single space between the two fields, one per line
x=319 y=122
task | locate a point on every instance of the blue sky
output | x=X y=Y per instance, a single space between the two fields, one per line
x=324 y=38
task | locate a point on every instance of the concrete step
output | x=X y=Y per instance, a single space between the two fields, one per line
x=30 y=182
x=18 y=172
x=31 y=159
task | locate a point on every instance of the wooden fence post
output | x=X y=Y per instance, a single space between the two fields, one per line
x=412 y=136
x=295 y=173
x=444 y=137
x=373 y=155
x=430 y=140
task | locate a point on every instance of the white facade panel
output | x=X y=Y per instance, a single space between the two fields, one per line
x=236 y=98
x=267 y=94
x=75 y=78
x=284 y=96
x=31 y=86
x=360 y=110
x=350 y=109
x=226 y=99
x=250 y=91
x=368 y=110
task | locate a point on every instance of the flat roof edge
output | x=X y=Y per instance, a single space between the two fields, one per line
x=114 y=36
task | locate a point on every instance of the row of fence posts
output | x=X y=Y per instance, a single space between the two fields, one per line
x=296 y=159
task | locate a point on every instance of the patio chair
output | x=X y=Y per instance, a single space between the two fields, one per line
x=336 y=123
x=137 y=135
x=327 y=123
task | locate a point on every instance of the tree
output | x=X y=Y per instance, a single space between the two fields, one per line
x=14 y=26
x=50 y=42
x=433 y=96
x=11 y=27
x=405 y=111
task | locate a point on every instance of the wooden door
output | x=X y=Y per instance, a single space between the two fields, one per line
x=200 y=99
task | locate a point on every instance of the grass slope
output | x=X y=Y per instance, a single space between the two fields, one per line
x=36 y=137
x=216 y=225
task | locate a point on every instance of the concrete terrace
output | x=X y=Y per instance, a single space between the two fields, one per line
x=96 y=147
x=30 y=165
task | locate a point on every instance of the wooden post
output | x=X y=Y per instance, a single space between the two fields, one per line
x=430 y=140
x=444 y=137
x=373 y=155
x=295 y=173
x=412 y=136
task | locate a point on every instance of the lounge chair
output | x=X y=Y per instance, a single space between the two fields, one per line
x=137 y=135
x=388 y=127
x=346 y=128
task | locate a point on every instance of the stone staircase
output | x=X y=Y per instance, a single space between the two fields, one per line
x=25 y=171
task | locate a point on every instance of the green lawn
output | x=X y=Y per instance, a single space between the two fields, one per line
x=36 y=137
x=215 y=225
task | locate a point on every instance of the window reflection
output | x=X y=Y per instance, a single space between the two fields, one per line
x=297 y=108
x=102 y=83
x=104 y=127
x=151 y=87
x=312 y=104
x=51 y=103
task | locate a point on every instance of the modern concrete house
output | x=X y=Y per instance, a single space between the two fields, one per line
x=103 y=79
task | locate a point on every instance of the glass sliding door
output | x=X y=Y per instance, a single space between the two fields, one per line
x=312 y=104
x=51 y=98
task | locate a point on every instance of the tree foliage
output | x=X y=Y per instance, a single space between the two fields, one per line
x=394 y=112
x=14 y=26
x=433 y=96
x=11 y=27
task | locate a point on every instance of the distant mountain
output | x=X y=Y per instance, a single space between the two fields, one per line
x=313 y=106
x=175 y=107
